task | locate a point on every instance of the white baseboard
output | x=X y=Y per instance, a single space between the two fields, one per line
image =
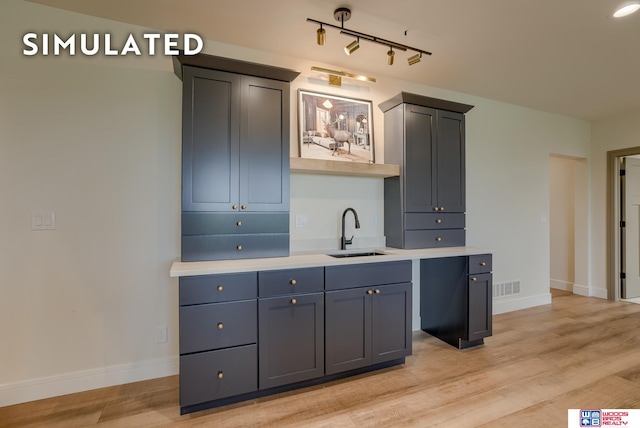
x=85 y=380
x=559 y=284
x=584 y=290
x=503 y=305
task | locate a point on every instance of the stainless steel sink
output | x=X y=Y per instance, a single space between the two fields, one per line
x=365 y=254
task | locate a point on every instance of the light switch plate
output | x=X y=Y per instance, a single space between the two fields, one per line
x=43 y=220
x=302 y=220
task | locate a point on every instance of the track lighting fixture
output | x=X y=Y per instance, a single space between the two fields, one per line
x=343 y=14
x=322 y=36
x=414 y=59
x=352 y=47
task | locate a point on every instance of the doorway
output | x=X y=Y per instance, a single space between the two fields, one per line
x=622 y=260
x=568 y=225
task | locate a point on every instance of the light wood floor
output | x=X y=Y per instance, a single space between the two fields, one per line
x=578 y=352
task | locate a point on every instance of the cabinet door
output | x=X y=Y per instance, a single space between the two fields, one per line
x=449 y=184
x=480 y=306
x=391 y=322
x=348 y=329
x=290 y=339
x=420 y=138
x=264 y=145
x=210 y=140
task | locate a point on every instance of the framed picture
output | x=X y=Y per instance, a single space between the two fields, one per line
x=335 y=128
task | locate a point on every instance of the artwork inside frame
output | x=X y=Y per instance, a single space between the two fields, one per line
x=332 y=127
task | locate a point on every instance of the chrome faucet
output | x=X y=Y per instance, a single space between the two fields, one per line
x=343 y=239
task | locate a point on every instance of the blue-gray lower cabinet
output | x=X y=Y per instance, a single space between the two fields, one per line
x=456 y=299
x=291 y=339
x=251 y=334
x=368 y=314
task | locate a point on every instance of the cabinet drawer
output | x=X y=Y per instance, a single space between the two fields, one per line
x=414 y=221
x=217 y=374
x=217 y=223
x=480 y=263
x=218 y=288
x=434 y=238
x=290 y=281
x=367 y=274
x=218 y=325
x=226 y=247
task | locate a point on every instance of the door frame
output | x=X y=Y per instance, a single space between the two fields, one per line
x=613 y=218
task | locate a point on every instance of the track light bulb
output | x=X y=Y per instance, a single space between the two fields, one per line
x=390 y=55
x=352 y=47
x=322 y=36
x=414 y=59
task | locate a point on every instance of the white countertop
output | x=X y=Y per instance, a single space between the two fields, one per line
x=315 y=259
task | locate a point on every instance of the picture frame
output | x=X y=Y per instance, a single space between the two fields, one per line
x=333 y=127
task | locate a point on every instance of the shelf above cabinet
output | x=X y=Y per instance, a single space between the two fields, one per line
x=330 y=167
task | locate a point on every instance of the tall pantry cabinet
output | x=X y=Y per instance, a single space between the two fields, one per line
x=425 y=205
x=235 y=158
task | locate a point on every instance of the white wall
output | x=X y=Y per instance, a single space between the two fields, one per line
x=98 y=141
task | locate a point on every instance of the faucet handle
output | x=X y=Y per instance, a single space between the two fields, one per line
x=349 y=241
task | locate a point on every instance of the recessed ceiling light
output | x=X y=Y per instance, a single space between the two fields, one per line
x=625 y=10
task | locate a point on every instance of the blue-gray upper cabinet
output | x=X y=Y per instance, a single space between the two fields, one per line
x=426 y=137
x=235 y=153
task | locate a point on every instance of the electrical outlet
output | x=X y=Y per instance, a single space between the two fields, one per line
x=161 y=334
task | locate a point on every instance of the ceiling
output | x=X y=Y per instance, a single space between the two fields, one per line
x=568 y=57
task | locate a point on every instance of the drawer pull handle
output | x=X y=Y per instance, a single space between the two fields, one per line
x=235 y=207
x=220 y=288
x=239 y=224
x=438 y=239
x=220 y=326
x=474 y=279
x=369 y=292
x=244 y=207
x=220 y=375
x=377 y=291
x=294 y=301
x=293 y=282
x=438 y=221
x=483 y=263
x=239 y=247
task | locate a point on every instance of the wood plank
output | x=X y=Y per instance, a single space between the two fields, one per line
x=329 y=167
x=578 y=352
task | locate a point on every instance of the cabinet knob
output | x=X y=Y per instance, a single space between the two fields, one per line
x=239 y=223
x=483 y=263
x=294 y=301
x=441 y=208
x=244 y=207
x=377 y=291
x=239 y=247
x=436 y=209
x=293 y=282
x=369 y=292
x=220 y=288
x=438 y=221
x=438 y=239
x=474 y=279
x=220 y=326
x=220 y=375
x=234 y=207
